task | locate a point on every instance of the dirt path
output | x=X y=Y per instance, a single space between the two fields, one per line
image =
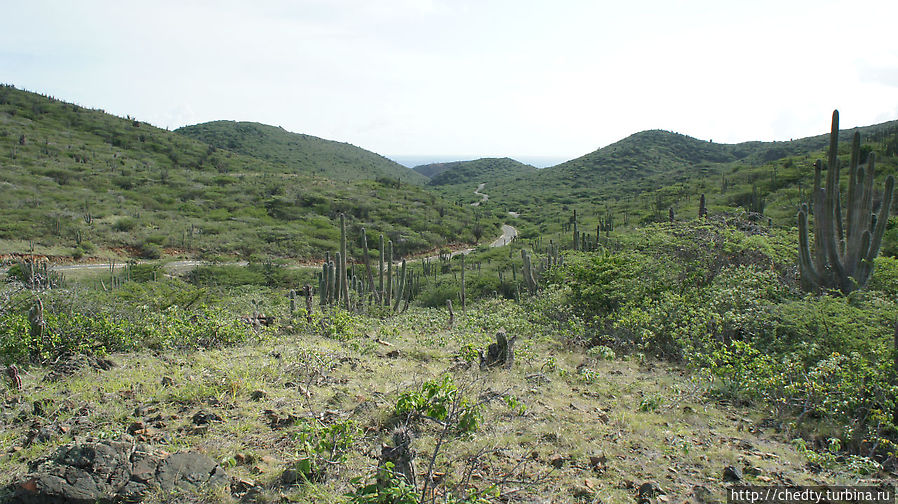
x=484 y=197
x=508 y=235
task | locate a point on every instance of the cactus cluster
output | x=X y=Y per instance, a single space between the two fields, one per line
x=843 y=251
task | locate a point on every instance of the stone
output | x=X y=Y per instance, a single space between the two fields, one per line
x=557 y=461
x=732 y=474
x=702 y=494
x=205 y=417
x=113 y=471
x=189 y=470
x=648 y=490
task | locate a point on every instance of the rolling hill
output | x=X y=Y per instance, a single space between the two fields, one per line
x=643 y=175
x=78 y=182
x=302 y=153
x=477 y=171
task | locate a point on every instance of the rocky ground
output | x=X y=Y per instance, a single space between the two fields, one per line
x=236 y=424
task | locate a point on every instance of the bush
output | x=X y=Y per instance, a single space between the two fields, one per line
x=125 y=224
x=436 y=294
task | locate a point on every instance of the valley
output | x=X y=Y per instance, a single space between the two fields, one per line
x=294 y=319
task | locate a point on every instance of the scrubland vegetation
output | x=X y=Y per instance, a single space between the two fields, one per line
x=658 y=354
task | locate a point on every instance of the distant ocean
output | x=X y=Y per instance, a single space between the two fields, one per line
x=413 y=161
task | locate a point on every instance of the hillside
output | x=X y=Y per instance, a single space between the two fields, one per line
x=667 y=358
x=77 y=182
x=640 y=178
x=479 y=171
x=433 y=169
x=652 y=153
x=302 y=153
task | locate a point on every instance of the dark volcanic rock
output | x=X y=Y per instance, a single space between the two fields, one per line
x=113 y=471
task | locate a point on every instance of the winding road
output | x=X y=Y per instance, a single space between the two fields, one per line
x=484 y=197
x=509 y=233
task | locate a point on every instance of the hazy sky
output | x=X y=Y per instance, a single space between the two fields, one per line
x=473 y=78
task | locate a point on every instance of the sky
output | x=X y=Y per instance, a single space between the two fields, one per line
x=467 y=78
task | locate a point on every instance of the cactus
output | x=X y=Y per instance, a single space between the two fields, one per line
x=307 y=292
x=367 y=262
x=463 y=300
x=344 y=278
x=757 y=203
x=402 y=287
x=843 y=252
x=380 y=271
x=528 y=272
x=322 y=285
x=702 y=209
x=389 y=289
x=331 y=282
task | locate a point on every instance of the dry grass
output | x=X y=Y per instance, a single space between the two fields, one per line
x=583 y=436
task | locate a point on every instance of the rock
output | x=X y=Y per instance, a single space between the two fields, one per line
x=581 y=492
x=702 y=494
x=205 y=417
x=68 y=364
x=189 y=470
x=598 y=463
x=538 y=379
x=114 y=471
x=557 y=461
x=648 y=490
x=137 y=428
x=279 y=419
x=732 y=474
x=244 y=458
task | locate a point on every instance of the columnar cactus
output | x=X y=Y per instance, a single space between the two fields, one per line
x=389 y=289
x=463 y=297
x=843 y=252
x=400 y=293
x=528 y=272
x=344 y=276
x=367 y=262
x=380 y=269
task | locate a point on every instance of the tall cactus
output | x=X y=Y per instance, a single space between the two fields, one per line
x=344 y=276
x=400 y=293
x=380 y=271
x=527 y=270
x=843 y=252
x=389 y=289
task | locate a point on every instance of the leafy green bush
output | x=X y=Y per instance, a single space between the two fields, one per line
x=320 y=446
x=601 y=283
x=436 y=294
x=440 y=399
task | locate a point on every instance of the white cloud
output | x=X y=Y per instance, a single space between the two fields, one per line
x=493 y=77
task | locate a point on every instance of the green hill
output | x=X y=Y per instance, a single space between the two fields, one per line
x=302 y=153
x=483 y=170
x=76 y=182
x=433 y=169
x=638 y=179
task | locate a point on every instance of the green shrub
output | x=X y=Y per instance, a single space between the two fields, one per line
x=436 y=294
x=440 y=400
